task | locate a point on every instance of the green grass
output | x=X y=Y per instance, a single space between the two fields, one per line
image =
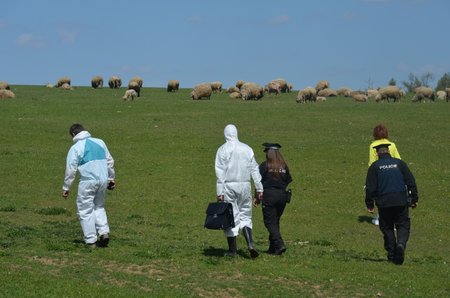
x=164 y=146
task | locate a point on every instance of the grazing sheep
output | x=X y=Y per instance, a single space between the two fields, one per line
x=216 y=86
x=66 y=86
x=389 y=92
x=62 y=81
x=173 y=85
x=49 y=85
x=134 y=85
x=239 y=84
x=4 y=85
x=284 y=86
x=235 y=95
x=322 y=85
x=139 y=80
x=97 y=82
x=372 y=94
x=251 y=91
x=321 y=98
x=272 y=87
x=344 y=91
x=202 y=90
x=290 y=88
x=423 y=93
x=327 y=92
x=441 y=95
x=359 y=97
x=447 y=90
x=233 y=89
x=307 y=94
x=5 y=93
x=114 y=82
x=130 y=94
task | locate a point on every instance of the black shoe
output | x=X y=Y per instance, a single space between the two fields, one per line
x=399 y=256
x=280 y=250
x=103 y=240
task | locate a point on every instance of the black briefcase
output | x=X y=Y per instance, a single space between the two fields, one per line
x=219 y=216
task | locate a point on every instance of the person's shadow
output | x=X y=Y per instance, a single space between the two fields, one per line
x=365 y=218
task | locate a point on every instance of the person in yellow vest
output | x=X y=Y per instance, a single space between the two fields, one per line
x=380 y=136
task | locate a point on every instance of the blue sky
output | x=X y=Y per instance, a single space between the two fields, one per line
x=350 y=43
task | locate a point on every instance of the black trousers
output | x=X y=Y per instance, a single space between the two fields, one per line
x=273 y=204
x=394 y=217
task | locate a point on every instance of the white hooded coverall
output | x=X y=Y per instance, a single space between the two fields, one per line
x=235 y=165
x=91 y=158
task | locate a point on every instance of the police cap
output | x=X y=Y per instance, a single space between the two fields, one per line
x=274 y=146
x=378 y=147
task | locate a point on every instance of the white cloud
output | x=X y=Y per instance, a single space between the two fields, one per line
x=280 y=19
x=30 y=40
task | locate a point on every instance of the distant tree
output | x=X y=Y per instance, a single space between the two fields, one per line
x=425 y=78
x=412 y=83
x=392 y=82
x=443 y=82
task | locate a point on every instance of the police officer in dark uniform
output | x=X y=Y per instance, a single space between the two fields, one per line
x=392 y=186
x=275 y=178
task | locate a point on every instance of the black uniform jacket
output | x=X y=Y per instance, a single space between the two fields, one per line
x=390 y=182
x=267 y=180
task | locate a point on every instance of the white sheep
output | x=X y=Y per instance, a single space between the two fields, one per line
x=441 y=95
x=5 y=93
x=130 y=94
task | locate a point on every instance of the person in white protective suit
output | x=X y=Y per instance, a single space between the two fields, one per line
x=235 y=166
x=91 y=158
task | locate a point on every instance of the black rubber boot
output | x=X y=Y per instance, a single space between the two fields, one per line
x=251 y=247
x=232 y=249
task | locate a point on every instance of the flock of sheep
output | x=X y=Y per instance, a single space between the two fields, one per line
x=253 y=91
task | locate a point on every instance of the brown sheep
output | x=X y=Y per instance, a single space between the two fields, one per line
x=272 y=87
x=359 y=97
x=423 y=93
x=233 y=89
x=97 y=82
x=344 y=91
x=173 y=85
x=139 y=80
x=202 y=90
x=239 y=84
x=134 y=85
x=5 y=93
x=284 y=86
x=216 y=86
x=4 y=85
x=327 y=92
x=235 y=95
x=62 y=81
x=115 y=82
x=389 y=92
x=251 y=91
x=307 y=94
x=322 y=85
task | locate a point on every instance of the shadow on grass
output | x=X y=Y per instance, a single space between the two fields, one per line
x=220 y=252
x=365 y=218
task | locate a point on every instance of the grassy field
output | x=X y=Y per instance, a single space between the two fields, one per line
x=164 y=147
